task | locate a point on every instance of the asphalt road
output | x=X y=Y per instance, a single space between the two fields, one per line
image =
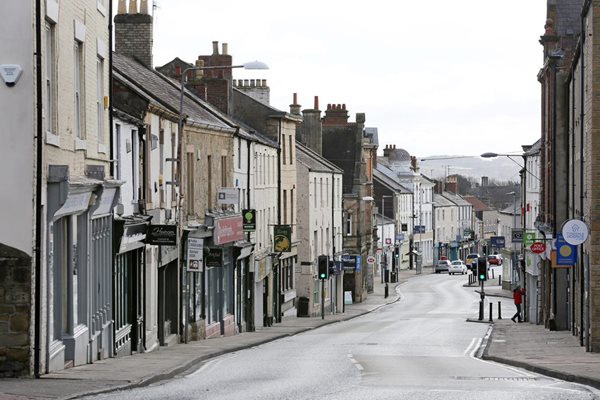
x=420 y=347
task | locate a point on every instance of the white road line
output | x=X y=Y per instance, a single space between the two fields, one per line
x=468 y=349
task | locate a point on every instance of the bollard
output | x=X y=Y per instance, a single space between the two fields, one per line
x=481 y=310
x=499 y=280
x=491 y=305
x=386 y=290
x=499 y=310
x=492 y=274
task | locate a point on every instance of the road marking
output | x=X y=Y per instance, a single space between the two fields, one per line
x=468 y=349
x=356 y=364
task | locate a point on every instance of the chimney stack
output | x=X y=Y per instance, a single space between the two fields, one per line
x=133 y=32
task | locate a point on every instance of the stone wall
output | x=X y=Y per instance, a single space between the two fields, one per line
x=15 y=312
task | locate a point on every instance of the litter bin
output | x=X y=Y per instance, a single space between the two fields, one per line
x=394 y=277
x=302 y=307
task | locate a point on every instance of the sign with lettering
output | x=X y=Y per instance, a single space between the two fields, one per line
x=575 y=232
x=228 y=230
x=249 y=219
x=214 y=258
x=195 y=254
x=228 y=196
x=282 y=238
x=162 y=235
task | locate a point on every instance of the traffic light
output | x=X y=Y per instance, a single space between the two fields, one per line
x=482 y=269
x=323 y=267
x=397 y=251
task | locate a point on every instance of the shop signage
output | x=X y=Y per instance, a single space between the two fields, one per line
x=249 y=220
x=228 y=196
x=566 y=254
x=195 y=254
x=419 y=229
x=162 y=235
x=282 y=238
x=575 y=232
x=517 y=235
x=351 y=263
x=529 y=238
x=404 y=227
x=214 y=258
x=538 y=247
x=498 y=241
x=228 y=230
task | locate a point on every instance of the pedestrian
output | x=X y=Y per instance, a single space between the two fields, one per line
x=518 y=294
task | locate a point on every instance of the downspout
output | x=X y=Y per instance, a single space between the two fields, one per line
x=278 y=269
x=582 y=337
x=38 y=191
x=554 y=166
x=110 y=89
x=248 y=182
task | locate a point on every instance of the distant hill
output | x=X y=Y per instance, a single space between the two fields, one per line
x=500 y=169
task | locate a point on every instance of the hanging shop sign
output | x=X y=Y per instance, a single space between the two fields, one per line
x=282 y=238
x=195 y=254
x=351 y=263
x=575 y=232
x=162 y=235
x=566 y=254
x=214 y=258
x=538 y=247
x=228 y=196
x=249 y=220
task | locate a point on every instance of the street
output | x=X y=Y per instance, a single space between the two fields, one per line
x=420 y=347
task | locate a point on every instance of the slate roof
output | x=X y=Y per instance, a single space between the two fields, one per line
x=314 y=161
x=441 y=201
x=166 y=92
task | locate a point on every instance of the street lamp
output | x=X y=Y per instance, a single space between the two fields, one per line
x=248 y=65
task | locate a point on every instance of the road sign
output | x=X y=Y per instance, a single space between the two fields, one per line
x=517 y=235
x=538 y=247
x=497 y=241
x=370 y=260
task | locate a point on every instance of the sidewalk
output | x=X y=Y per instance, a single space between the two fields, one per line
x=524 y=345
x=147 y=368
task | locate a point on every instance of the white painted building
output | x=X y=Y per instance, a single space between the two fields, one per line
x=319 y=227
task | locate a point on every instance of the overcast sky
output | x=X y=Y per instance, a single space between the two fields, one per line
x=435 y=77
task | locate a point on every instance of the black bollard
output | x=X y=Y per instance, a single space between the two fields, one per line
x=499 y=280
x=491 y=305
x=499 y=310
x=386 y=291
x=481 y=310
x=492 y=274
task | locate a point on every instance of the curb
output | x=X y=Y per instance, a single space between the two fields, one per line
x=201 y=359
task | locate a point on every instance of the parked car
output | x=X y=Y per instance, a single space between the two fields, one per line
x=457 y=267
x=442 y=266
x=471 y=258
x=494 y=259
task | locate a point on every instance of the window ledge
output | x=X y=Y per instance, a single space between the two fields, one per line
x=80 y=144
x=52 y=139
x=101 y=148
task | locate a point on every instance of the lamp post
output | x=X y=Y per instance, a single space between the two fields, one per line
x=184 y=282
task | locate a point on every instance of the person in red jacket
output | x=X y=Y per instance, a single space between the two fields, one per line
x=518 y=294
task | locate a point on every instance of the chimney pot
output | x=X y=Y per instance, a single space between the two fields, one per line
x=144 y=7
x=264 y=83
x=316 y=102
x=215 y=48
x=295 y=98
x=224 y=47
x=122 y=9
x=133 y=7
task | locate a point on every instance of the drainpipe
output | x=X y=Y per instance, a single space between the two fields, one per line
x=278 y=269
x=582 y=336
x=38 y=191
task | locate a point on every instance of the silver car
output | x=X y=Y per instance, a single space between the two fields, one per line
x=457 y=267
